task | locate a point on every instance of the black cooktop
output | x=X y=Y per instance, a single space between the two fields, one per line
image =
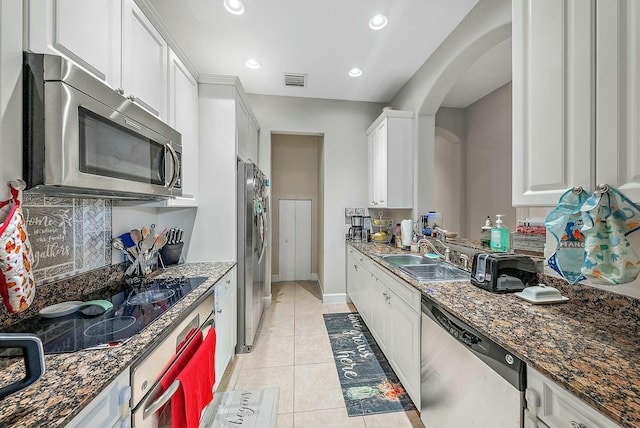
x=133 y=310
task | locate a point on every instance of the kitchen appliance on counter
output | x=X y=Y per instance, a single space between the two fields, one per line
x=252 y=245
x=82 y=139
x=466 y=378
x=503 y=273
x=133 y=310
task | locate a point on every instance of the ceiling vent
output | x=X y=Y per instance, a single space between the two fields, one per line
x=299 y=80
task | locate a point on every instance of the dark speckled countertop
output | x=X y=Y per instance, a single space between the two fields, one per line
x=72 y=380
x=590 y=345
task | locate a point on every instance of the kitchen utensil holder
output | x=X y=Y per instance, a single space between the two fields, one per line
x=171 y=253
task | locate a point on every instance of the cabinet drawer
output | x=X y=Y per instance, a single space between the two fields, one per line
x=557 y=407
x=406 y=292
x=224 y=285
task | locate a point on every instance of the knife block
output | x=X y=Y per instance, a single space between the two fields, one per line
x=171 y=253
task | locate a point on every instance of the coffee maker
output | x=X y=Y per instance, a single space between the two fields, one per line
x=357 y=232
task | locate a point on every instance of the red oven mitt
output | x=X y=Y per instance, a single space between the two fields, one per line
x=17 y=285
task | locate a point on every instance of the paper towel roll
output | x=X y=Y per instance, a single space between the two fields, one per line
x=407 y=232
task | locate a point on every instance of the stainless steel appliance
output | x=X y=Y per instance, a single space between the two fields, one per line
x=149 y=400
x=83 y=139
x=466 y=378
x=503 y=273
x=252 y=244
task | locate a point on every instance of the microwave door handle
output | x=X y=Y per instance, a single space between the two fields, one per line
x=162 y=400
x=176 y=166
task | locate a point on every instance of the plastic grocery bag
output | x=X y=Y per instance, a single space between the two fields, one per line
x=564 y=223
x=609 y=217
x=17 y=285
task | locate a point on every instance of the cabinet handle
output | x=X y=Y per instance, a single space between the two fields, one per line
x=381 y=201
x=355 y=266
x=384 y=293
x=228 y=281
x=574 y=424
x=120 y=91
x=219 y=311
x=132 y=98
x=373 y=202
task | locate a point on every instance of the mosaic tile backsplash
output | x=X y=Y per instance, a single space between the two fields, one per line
x=68 y=236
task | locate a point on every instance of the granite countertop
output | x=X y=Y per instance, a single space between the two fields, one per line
x=72 y=380
x=590 y=346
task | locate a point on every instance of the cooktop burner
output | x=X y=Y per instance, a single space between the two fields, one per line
x=133 y=310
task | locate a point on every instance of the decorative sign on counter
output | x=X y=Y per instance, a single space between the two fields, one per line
x=68 y=236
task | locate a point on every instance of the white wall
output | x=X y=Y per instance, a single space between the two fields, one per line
x=343 y=125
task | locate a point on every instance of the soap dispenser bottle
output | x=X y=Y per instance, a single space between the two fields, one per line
x=485 y=233
x=500 y=236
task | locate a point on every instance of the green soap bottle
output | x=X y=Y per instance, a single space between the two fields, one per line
x=500 y=236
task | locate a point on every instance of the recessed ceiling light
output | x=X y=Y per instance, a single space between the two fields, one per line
x=355 y=72
x=234 y=6
x=378 y=22
x=252 y=63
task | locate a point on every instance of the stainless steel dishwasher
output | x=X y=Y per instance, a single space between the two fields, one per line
x=467 y=380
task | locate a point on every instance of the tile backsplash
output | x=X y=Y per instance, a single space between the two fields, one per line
x=68 y=236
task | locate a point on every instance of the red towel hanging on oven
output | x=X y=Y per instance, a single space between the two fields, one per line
x=17 y=286
x=196 y=385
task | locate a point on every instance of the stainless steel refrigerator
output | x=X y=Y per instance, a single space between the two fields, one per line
x=252 y=242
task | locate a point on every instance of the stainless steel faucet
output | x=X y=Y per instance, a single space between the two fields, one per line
x=424 y=242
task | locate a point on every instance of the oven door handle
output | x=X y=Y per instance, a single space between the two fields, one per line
x=162 y=400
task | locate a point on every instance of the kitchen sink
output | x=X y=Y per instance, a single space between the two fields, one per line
x=439 y=271
x=409 y=259
x=426 y=269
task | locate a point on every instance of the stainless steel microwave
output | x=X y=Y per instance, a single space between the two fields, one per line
x=83 y=139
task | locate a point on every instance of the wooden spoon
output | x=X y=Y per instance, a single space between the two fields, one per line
x=145 y=231
x=136 y=236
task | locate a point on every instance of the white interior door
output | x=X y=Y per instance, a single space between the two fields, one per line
x=294 y=240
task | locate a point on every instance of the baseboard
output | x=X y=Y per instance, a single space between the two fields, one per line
x=314 y=277
x=267 y=301
x=275 y=278
x=321 y=286
x=333 y=298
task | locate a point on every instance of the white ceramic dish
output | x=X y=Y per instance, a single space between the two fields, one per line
x=541 y=295
x=60 y=309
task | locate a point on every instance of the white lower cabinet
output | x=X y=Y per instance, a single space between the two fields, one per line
x=226 y=322
x=549 y=405
x=111 y=408
x=391 y=310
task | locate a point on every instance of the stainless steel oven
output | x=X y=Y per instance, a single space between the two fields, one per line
x=149 y=401
x=82 y=138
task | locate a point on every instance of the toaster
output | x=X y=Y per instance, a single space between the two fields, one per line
x=503 y=273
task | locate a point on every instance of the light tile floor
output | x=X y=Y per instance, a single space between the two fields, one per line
x=292 y=352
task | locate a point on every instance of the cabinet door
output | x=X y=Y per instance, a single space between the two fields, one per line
x=404 y=346
x=557 y=407
x=226 y=322
x=144 y=61
x=399 y=154
x=381 y=169
x=88 y=33
x=378 y=317
x=183 y=116
x=109 y=407
x=618 y=95
x=371 y=148
x=253 y=141
x=242 y=131
x=553 y=94
x=352 y=278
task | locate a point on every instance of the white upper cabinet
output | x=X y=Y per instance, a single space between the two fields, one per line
x=183 y=116
x=86 y=32
x=553 y=133
x=247 y=133
x=390 y=160
x=575 y=98
x=618 y=95
x=144 y=61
